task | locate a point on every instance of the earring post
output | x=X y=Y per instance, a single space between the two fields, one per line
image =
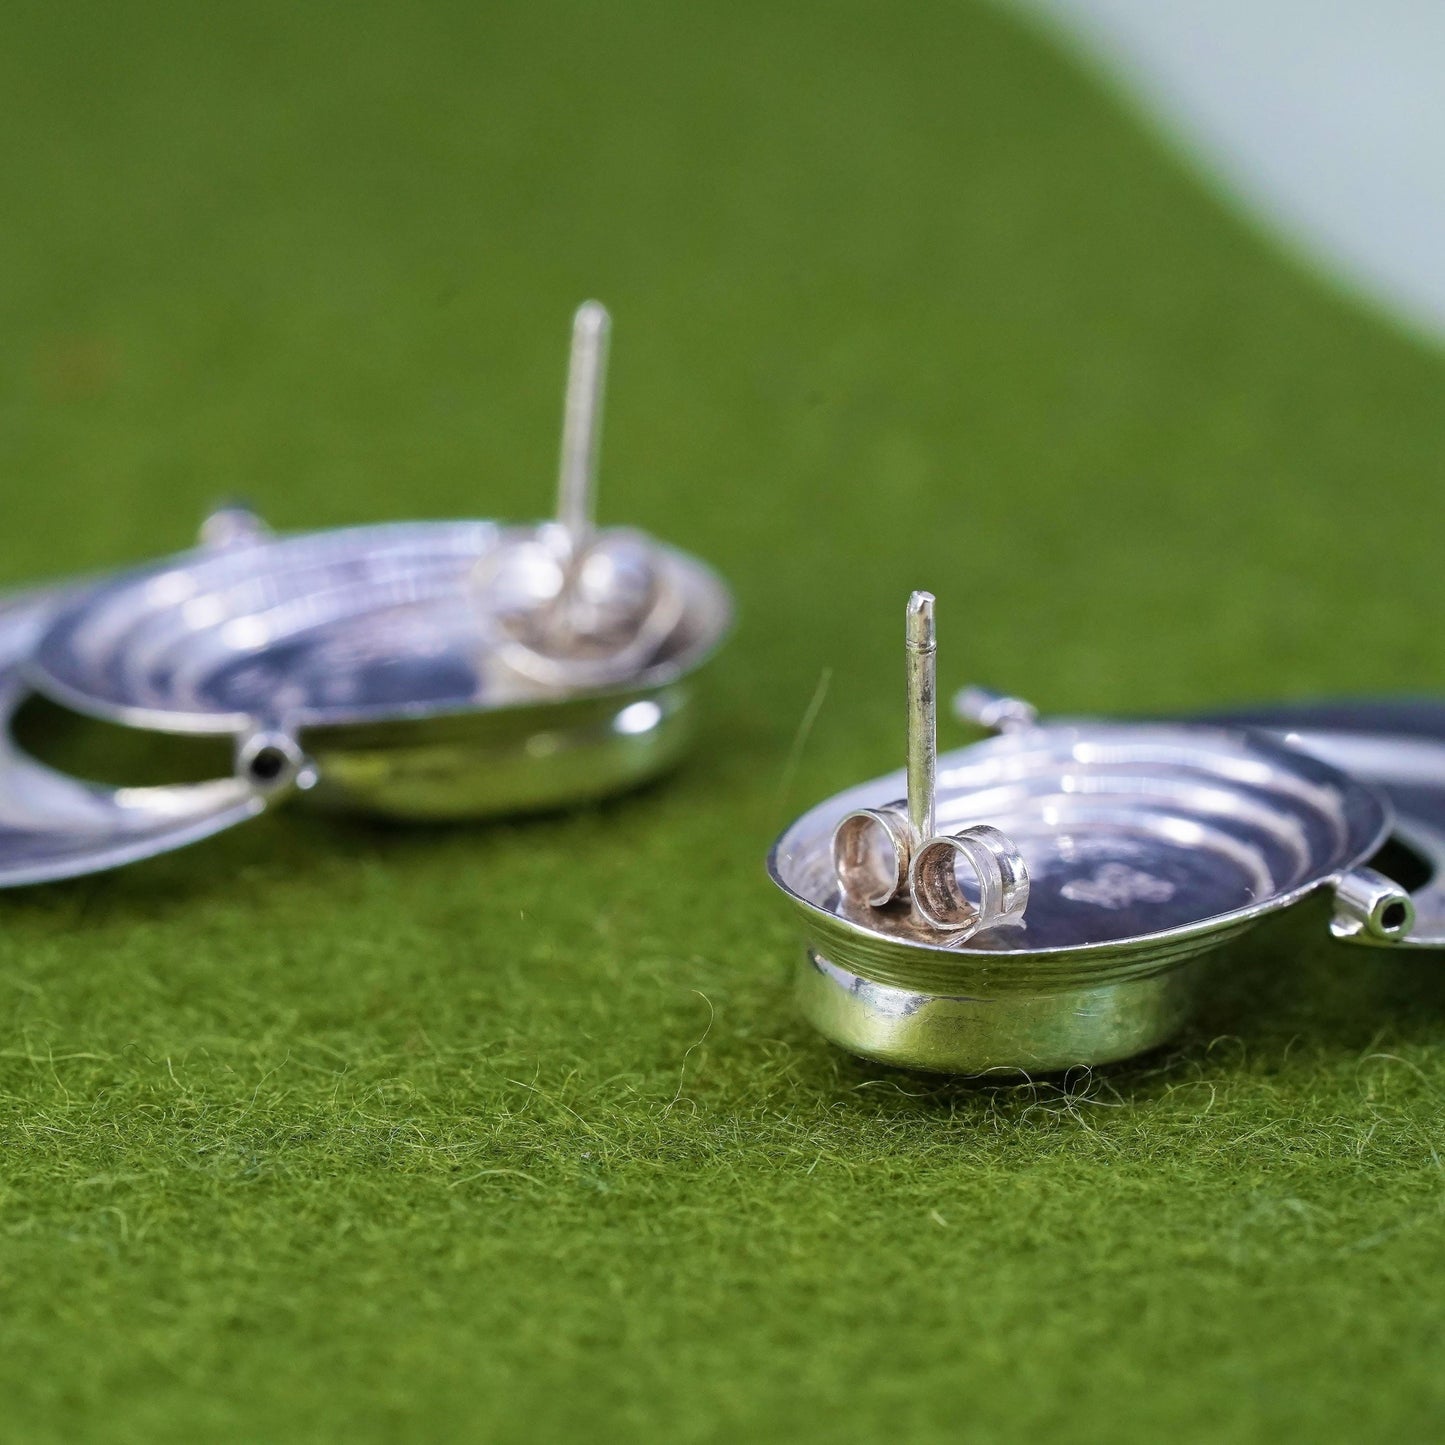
x=922 y=650
x=582 y=421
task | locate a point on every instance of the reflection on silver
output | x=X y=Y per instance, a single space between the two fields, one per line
x=1399 y=748
x=1000 y=890
x=1147 y=848
x=232 y=524
x=995 y=711
x=53 y=826
x=1370 y=906
x=1116 y=885
x=420 y=669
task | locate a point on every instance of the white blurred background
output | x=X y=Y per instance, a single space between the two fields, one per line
x=1325 y=119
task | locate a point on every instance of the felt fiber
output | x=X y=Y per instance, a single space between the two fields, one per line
x=330 y=1130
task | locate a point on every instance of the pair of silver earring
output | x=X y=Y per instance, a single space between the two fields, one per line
x=464 y=669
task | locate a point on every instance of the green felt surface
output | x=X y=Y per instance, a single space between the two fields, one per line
x=325 y=1131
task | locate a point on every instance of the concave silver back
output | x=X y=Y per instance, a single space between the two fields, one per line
x=355 y=638
x=1147 y=846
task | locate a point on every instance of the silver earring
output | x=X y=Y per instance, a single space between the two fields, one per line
x=1077 y=878
x=414 y=669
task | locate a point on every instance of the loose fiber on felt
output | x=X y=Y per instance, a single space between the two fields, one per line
x=328 y=1130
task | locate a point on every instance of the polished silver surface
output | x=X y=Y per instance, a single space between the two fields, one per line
x=1134 y=835
x=991 y=891
x=575 y=617
x=554 y=656
x=53 y=826
x=324 y=629
x=995 y=711
x=1398 y=747
x=872 y=854
x=370 y=650
x=1370 y=907
x=232 y=524
x=1067 y=858
x=1147 y=847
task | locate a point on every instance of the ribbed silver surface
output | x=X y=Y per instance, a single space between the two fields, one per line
x=1145 y=846
x=53 y=826
x=366 y=624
